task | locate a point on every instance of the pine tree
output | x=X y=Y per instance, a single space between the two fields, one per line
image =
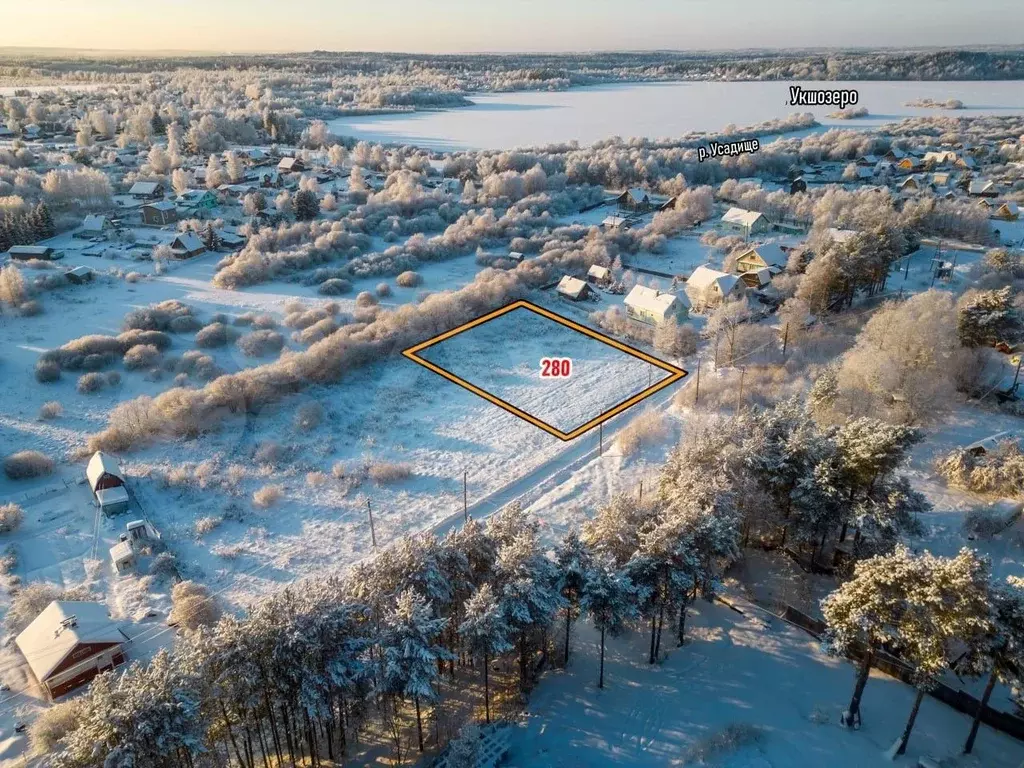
x=610 y=601
x=986 y=317
x=410 y=652
x=575 y=565
x=486 y=633
x=306 y=205
x=210 y=238
x=999 y=654
x=916 y=605
x=158 y=125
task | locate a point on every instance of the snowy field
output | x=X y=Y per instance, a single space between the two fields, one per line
x=586 y=115
x=503 y=357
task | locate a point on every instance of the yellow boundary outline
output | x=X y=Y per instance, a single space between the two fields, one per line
x=675 y=373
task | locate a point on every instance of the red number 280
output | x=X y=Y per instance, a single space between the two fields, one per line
x=555 y=367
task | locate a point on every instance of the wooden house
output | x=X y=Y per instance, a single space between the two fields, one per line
x=574 y=289
x=31 y=252
x=147 y=190
x=745 y=222
x=291 y=165
x=706 y=284
x=186 y=245
x=766 y=256
x=982 y=188
x=634 y=200
x=69 y=643
x=159 y=214
x=1008 y=211
x=93 y=225
x=615 y=222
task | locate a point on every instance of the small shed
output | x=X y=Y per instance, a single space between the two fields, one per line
x=574 y=289
x=291 y=165
x=122 y=557
x=615 y=222
x=93 y=225
x=515 y=256
x=80 y=274
x=990 y=443
x=69 y=643
x=599 y=275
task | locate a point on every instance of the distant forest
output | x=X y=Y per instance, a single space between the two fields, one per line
x=478 y=72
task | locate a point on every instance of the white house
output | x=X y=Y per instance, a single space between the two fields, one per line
x=615 y=222
x=709 y=285
x=649 y=305
x=107 y=483
x=93 y=225
x=982 y=188
x=745 y=222
x=146 y=189
x=69 y=643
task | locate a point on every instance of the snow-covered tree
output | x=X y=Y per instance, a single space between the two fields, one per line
x=610 y=601
x=999 y=652
x=986 y=317
x=306 y=205
x=915 y=605
x=486 y=633
x=410 y=652
x=575 y=564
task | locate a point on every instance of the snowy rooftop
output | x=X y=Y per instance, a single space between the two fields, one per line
x=741 y=216
x=60 y=628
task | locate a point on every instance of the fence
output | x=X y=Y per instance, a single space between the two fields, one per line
x=895 y=667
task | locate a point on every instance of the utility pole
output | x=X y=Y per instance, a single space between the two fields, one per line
x=641 y=499
x=906 y=271
x=785 y=340
x=696 y=398
x=1016 y=376
x=739 y=404
x=373 y=532
x=600 y=439
x=465 y=497
x=717 y=339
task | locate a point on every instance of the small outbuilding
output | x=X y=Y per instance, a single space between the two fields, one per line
x=146 y=190
x=599 y=275
x=80 y=274
x=107 y=483
x=291 y=165
x=574 y=289
x=122 y=557
x=69 y=643
x=634 y=200
x=94 y=225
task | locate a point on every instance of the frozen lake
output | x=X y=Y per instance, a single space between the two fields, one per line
x=506 y=120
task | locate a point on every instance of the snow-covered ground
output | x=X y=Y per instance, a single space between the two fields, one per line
x=751 y=672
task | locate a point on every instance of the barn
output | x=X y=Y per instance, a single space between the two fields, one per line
x=69 y=643
x=107 y=483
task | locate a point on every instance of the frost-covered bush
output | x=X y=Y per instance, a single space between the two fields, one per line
x=409 y=279
x=366 y=299
x=720 y=743
x=141 y=356
x=336 y=286
x=260 y=343
x=303 y=318
x=29 y=601
x=647 y=428
x=88 y=383
x=157 y=317
x=47 y=371
x=27 y=464
x=113 y=378
x=386 y=472
x=383 y=290
x=205 y=525
x=50 y=410
x=30 y=308
x=270 y=453
x=185 y=324
x=998 y=472
x=192 y=606
x=316 y=332
x=267 y=496
x=53 y=724
x=264 y=322
x=986 y=523
x=215 y=335
x=11 y=517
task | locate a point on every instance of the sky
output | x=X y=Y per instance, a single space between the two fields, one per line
x=449 y=26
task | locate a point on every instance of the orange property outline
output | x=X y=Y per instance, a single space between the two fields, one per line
x=675 y=374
